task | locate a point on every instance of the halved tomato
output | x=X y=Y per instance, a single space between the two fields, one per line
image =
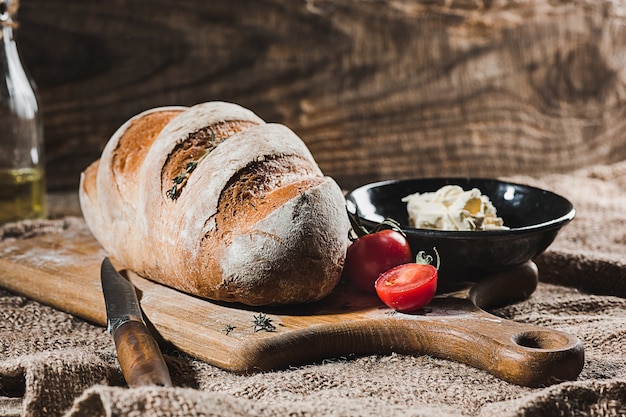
x=407 y=287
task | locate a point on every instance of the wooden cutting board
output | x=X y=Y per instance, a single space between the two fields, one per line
x=62 y=270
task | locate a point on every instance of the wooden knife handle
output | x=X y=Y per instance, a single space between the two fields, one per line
x=139 y=356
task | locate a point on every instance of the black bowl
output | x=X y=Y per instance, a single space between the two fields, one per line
x=534 y=217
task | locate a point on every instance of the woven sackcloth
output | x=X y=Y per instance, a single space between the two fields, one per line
x=54 y=364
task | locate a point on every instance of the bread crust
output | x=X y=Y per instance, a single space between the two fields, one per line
x=253 y=220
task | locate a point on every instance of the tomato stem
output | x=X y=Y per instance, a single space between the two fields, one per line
x=424 y=259
x=360 y=230
x=389 y=223
x=357 y=227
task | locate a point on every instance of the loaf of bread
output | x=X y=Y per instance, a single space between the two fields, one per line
x=213 y=201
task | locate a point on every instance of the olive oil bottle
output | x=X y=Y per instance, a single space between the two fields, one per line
x=22 y=179
x=22 y=194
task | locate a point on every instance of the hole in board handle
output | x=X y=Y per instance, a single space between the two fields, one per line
x=540 y=340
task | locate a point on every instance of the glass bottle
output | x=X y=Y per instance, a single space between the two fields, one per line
x=22 y=177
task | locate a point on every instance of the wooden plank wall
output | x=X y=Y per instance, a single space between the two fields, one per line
x=378 y=89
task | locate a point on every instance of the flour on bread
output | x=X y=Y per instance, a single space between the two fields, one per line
x=255 y=221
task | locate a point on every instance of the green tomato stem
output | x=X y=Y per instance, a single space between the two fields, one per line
x=424 y=259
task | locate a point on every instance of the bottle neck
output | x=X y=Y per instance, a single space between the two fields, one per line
x=15 y=82
x=9 y=56
x=8 y=41
x=8 y=49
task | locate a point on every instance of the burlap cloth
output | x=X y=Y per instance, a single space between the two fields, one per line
x=54 y=364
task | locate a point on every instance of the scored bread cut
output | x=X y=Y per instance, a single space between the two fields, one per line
x=213 y=201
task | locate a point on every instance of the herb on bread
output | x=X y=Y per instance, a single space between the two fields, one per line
x=182 y=177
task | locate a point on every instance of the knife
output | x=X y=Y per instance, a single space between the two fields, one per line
x=138 y=353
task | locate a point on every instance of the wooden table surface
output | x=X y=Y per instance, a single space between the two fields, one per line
x=377 y=90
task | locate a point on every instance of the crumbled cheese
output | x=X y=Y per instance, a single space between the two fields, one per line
x=451 y=208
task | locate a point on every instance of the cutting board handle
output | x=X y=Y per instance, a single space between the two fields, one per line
x=515 y=352
x=453 y=326
x=527 y=355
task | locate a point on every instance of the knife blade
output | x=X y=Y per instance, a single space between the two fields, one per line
x=138 y=353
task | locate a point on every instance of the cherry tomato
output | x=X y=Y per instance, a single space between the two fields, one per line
x=372 y=254
x=407 y=287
